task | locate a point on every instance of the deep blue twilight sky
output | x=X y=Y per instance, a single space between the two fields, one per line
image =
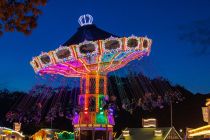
x=171 y=57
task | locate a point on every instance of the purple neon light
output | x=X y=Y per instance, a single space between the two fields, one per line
x=75 y=119
x=111 y=119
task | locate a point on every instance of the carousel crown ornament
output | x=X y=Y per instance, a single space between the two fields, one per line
x=85 y=20
x=90 y=54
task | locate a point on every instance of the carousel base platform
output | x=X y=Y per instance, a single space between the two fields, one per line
x=93 y=133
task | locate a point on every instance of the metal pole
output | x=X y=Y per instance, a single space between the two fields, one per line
x=171 y=113
x=51 y=122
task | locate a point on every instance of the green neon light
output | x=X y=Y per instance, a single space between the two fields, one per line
x=101 y=118
x=64 y=135
x=101 y=97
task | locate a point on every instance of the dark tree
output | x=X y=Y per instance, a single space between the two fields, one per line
x=19 y=15
x=197 y=33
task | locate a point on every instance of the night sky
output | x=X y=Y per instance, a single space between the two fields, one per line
x=160 y=20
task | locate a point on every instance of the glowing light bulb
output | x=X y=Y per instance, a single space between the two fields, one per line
x=101 y=112
x=86 y=111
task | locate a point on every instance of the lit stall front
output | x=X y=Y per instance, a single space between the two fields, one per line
x=203 y=131
x=10 y=134
x=45 y=134
x=150 y=131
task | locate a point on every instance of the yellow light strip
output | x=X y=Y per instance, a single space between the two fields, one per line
x=206 y=132
x=158 y=133
x=74 y=52
x=124 y=41
x=99 y=56
x=207 y=103
x=99 y=62
x=149 y=125
x=105 y=85
x=152 y=119
x=96 y=125
x=97 y=102
x=87 y=91
x=87 y=84
x=199 y=129
x=97 y=77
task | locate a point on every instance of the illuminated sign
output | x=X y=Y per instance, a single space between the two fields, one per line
x=126 y=133
x=149 y=122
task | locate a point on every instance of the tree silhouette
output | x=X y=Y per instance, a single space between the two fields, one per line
x=16 y=106
x=19 y=15
x=197 y=33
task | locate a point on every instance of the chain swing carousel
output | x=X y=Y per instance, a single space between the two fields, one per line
x=90 y=54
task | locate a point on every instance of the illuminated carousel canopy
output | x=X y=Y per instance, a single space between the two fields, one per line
x=91 y=50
